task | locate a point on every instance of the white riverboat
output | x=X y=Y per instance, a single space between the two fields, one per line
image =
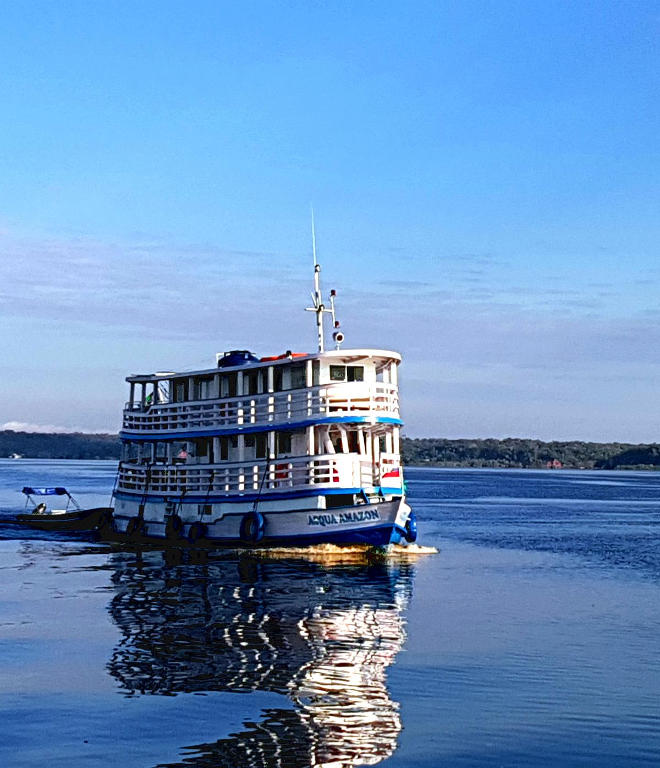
x=292 y=449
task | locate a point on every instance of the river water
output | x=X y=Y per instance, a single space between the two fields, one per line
x=531 y=639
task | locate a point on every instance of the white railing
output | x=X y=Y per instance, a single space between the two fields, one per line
x=261 y=410
x=330 y=471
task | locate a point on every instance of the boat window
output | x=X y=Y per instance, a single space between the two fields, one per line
x=259 y=442
x=316 y=373
x=277 y=378
x=163 y=395
x=251 y=383
x=228 y=385
x=201 y=447
x=205 y=509
x=335 y=437
x=180 y=391
x=339 y=500
x=261 y=446
x=224 y=448
x=130 y=451
x=355 y=373
x=161 y=451
x=203 y=388
x=298 y=378
x=337 y=373
x=283 y=442
x=181 y=452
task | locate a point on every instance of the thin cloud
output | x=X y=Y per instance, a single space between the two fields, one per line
x=24 y=426
x=144 y=286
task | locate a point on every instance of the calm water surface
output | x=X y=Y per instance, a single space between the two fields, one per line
x=531 y=639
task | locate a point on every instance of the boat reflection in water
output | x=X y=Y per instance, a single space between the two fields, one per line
x=321 y=635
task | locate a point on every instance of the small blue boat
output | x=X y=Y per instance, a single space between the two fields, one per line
x=71 y=518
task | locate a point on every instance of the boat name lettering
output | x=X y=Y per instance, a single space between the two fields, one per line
x=356 y=516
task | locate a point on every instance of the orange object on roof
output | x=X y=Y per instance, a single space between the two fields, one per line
x=282 y=357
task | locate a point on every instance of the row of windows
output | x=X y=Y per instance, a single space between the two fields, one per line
x=204 y=447
x=346 y=373
x=256 y=382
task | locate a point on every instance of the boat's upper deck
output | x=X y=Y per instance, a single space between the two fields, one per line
x=285 y=391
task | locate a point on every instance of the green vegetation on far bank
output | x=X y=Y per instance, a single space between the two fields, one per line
x=429 y=452
x=523 y=453
x=74 y=445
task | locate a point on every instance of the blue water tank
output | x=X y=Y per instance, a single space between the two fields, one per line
x=237 y=357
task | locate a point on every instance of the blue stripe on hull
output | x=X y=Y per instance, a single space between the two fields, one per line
x=178 y=435
x=376 y=536
x=213 y=499
x=141 y=498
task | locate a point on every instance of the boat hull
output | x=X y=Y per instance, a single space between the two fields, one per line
x=78 y=520
x=375 y=524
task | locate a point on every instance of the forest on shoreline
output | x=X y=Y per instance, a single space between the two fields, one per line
x=519 y=453
x=522 y=453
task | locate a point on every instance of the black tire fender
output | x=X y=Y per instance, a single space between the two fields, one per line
x=134 y=526
x=173 y=527
x=196 y=531
x=252 y=527
x=411 y=528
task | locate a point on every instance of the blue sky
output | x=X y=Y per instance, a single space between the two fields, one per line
x=484 y=175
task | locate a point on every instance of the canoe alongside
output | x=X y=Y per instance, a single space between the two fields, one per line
x=72 y=518
x=77 y=520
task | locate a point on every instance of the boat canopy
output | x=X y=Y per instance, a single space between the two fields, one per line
x=58 y=491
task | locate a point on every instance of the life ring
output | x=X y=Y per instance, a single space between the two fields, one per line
x=134 y=526
x=173 y=527
x=281 y=471
x=196 y=531
x=410 y=528
x=252 y=527
x=335 y=474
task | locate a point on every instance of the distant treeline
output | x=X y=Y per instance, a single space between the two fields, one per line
x=434 y=452
x=76 y=445
x=533 y=454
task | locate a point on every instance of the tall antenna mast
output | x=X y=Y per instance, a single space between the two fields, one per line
x=317 y=300
x=313 y=237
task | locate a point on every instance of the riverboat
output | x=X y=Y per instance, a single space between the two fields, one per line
x=288 y=449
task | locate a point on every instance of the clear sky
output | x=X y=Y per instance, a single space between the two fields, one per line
x=485 y=177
